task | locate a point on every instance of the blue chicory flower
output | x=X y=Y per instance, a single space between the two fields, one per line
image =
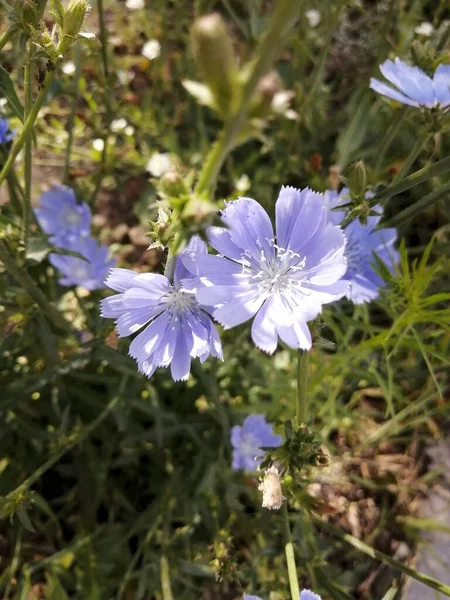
x=284 y=282
x=61 y=217
x=248 y=440
x=177 y=328
x=304 y=595
x=5 y=134
x=362 y=242
x=414 y=86
x=89 y=273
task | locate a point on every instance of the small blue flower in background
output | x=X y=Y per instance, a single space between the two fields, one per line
x=248 y=439
x=414 y=87
x=89 y=273
x=304 y=595
x=61 y=217
x=5 y=134
x=177 y=329
x=362 y=242
x=284 y=282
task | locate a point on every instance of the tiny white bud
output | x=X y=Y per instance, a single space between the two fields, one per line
x=98 y=144
x=270 y=486
x=134 y=4
x=69 y=68
x=151 y=49
x=425 y=29
x=313 y=17
x=159 y=164
x=118 y=125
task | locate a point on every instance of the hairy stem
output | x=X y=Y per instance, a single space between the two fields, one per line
x=28 y=126
x=302 y=386
x=290 y=556
x=28 y=163
x=71 y=121
x=107 y=96
x=283 y=19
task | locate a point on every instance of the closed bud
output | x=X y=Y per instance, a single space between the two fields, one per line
x=357 y=180
x=172 y=184
x=74 y=16
x=213 y=50
x=29 y=12
x=199 y=212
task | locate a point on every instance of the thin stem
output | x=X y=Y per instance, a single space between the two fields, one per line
x=105 y=61
x=28 y=284
x=389 y=137
x=284 y=17
x=28 y=163
x=384 y=558
x=165 y=579
x=302 y=386
x=413 y=154
x=71 y=121
x=290 y=556
x=28 y=126
x=171 y=263
x=6 y=36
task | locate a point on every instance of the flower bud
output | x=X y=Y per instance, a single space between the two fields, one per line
x=29 y=12
x=213 y=50
x=270 y=486
x=74 y=16
x=199 y=212
x=171 y=184
x=357 y=180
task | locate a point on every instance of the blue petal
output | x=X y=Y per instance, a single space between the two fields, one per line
x=181 y=362
x=441 y=82
x=386 y=90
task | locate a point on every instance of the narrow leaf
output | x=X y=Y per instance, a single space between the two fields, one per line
x=8 y=90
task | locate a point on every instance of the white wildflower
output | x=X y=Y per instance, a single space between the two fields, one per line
x=69 y=68
x=243 y=183
x=98 y=144
x=270 y=486
x=134 y=4
x=313 y=17
x=118 y=124
x=159 y=164
x=151 y=49
x=129 y=130
x=424 y=28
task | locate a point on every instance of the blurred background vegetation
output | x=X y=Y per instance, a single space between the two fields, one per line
x=114 y=485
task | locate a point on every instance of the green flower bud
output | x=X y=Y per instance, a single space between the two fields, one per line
x=74 y=16
x=172 y=184
x=29 y=12
x=357 y=180
x=213 y=50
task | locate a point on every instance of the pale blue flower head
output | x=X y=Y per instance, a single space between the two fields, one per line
x=6 y=135
x=362 y=242
x=89 y=273
x=282 y=281
x=176 y=328
x=61 y=217
x=304 y=595
x=413 y=86
x=248 y=440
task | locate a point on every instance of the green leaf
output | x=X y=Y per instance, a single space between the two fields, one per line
x=24 y=518
x=7 y=90
x=38 y=248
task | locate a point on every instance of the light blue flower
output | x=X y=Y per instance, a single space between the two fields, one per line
x=362 y=242
x=248 y=440
x=5 y=134
x=61 y=217
x=413 y=86
x=89 y=273
x=177 y=329
x=282 y=282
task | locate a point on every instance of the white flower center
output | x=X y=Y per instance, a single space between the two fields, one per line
x=80 y=272
x=179 y=301
x=72 y=218
x=278 y=274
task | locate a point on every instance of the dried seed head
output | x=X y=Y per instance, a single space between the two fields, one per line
x=270 y=486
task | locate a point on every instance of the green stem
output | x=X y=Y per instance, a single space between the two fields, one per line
x=6 y=36
x=71 y=121
x=283 y=19
x=23 y=278
x=171 y=263
x=28 y=163
x=413 y=154
x=389 y=137
x=290 y=556
x=384 y=558
x=105 y=61
x=28 y=126
x=302 y=386
x=86 y=432
x=165 y=579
